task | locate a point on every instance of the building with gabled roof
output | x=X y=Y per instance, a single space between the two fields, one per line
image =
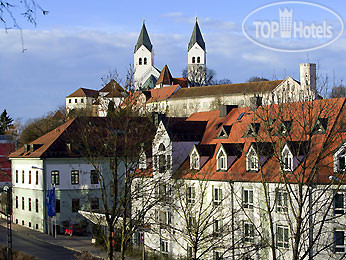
x=238 y=170
x=96 y=102
x=59 y=159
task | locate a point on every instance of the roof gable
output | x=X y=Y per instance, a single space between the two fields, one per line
x=165 y=77
x=84 y=92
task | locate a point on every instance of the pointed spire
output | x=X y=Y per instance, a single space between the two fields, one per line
x=196 y=37
x=144 y=39
x=165 y=77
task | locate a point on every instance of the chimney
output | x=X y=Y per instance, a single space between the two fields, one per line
x=255 y=102
x=225 y=109
x=308 y=76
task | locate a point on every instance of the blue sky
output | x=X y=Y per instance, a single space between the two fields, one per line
x=79 y=41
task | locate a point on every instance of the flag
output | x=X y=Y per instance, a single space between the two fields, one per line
x=50 y=201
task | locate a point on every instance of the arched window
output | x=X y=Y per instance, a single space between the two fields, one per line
x=194 y=161
x=162 y=147
x=252 y=160
x=140 y=61
x=145 y=61
x=287 y=160
x=221 y=161
x=198 y=59
x=193 y=60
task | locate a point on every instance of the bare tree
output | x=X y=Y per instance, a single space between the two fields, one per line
x=199 y=76
x=294 y=146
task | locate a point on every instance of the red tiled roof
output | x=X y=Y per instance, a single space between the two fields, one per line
x=300 y=112
x=182 y=82
x=112 y=85
x=160 y=94
x=84 y=92
x=165 y=77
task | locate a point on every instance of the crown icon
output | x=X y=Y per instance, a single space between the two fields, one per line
x=285 y=22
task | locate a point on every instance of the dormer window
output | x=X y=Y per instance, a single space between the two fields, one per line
x=193 y=60
x=252 y=160
x=287 y=159
x=340 y=159
x=140 y=61
x=145 y=61
x=221 y=161
x=285 y=128
x=253 y=130
x=320 y=126
x=198 y=59
x=194 y=161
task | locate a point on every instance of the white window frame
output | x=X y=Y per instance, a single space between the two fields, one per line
x=339 y=249
x=287 y=159
x=341 y=153
x=281 y=201
x=248 y=198
x=282 y=241
x=221 y=163
x=252 y=160
x=164 y=246
x=194 y=160
x=217 y=226
x=217 y=195
x=164 y=217
x=249 y=232
x=339 y=210
x=217 y=255
x=190 y=194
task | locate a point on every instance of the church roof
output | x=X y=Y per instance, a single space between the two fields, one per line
x=165 y=77
x=144 y=39
x=196 y=37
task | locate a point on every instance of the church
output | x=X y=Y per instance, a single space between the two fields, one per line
x=158 y=91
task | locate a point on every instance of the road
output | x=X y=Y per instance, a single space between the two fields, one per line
x=34 y=247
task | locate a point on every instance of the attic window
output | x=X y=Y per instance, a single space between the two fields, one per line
x=222 y=134
x=285 y=128
x=252 y=131
x=140 y=61
x=287 y=160
x=145 y=61
x=198 y=59
x=193 y=60
x=162 y=147
x=320 y=126
x=240 y=116
x=194 y=161
x=221 y=161
x=252 y=160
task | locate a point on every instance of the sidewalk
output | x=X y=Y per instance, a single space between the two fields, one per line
x=75 y=243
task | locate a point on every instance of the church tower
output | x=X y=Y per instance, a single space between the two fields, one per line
x=196 y=58
x=143 y=58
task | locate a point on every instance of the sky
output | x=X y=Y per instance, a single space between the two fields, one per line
x=80 y=41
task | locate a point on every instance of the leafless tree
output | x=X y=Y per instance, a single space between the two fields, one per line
x=295 y=146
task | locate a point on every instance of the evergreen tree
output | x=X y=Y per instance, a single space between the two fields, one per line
x=5 y=122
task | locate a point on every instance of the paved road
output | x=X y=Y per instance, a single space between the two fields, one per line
x=37 y=248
